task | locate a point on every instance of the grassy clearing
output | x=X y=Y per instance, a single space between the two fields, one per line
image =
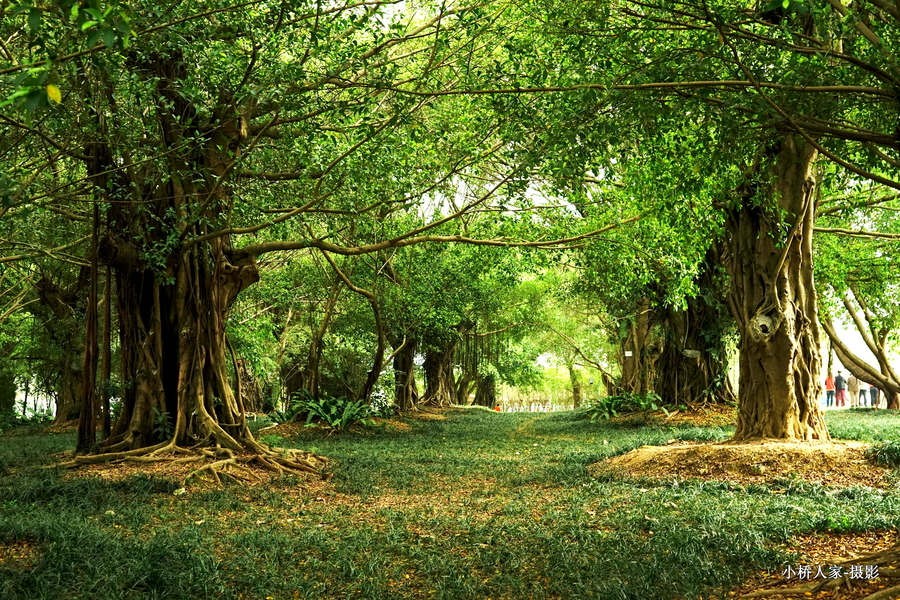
x=864 y=424
x=481 y=505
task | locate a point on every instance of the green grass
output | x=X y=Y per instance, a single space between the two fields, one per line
x=481 y=505
x=864 y=424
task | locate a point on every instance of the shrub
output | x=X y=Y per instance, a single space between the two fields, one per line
x=611 y=406
x=15 y=421
x=294 y=409
x=886 y=453
x=338 y=413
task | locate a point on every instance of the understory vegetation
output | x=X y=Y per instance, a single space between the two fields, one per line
x=477 y=505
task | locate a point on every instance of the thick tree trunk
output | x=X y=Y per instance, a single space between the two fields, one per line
x=575 y=380
x=486 y=393
x=61 y=310
x=693 y=364
x=68 y=396
x=406 y=393
x=638 y=353
x=464 y=387
x=177 y=277
x=174 y=357
x=440 y=386
x=250 y=390
x=773 y=300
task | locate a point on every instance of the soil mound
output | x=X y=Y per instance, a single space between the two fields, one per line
x=828 y=463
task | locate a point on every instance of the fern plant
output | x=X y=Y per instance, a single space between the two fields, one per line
x=337 y=413
x=294 y=409
x=611 y=406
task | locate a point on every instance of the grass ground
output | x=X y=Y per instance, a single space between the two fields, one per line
x=480 y=505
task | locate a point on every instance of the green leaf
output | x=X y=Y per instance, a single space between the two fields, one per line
x=785 y=4
x=34 y=20
x=92 y=39
x=109 y=37
x=35 y=99
x=88 y=24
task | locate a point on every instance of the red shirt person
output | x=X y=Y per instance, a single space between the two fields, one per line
x=829 y=390
x=840 y=390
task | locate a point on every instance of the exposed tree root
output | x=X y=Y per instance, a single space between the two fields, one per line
x=887 y=561
x=224 y=465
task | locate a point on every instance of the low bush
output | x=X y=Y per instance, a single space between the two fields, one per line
x=886 y=453
x=16 y=421
x=337 y=413
x=612 y=406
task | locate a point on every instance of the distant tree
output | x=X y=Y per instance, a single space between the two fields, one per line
x=857 y=275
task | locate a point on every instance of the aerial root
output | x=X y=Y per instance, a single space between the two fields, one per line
x=887 y=561
x=224 y=465
x=220 y=469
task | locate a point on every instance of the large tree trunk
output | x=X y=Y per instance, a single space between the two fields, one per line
x=65 y=306
x=464 y=387
x=638 y=353
x=250 y=389
x=486 y=393
x=173 y=299
x=440 y=386
x=172 y=337
x=773 y=300
x=177 y=277
x=575 y=380
x=693 y=364
x=68 y=396
x=406 y=393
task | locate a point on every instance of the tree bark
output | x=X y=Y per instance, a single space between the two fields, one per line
x=772 y=297
x=464 y=387
x=693 y=364
x=440 y=386
x=639 y=352
x=575 y=380
x=87 y=418
x=486 y=393
x=406 y=393
x=174 y=357
x=250 y=390
x=62 y=325
x=174 y=295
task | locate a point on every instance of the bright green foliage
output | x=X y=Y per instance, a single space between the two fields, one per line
x=337 y=413
x=272 y=440
x=15 y=421
x=886 y=453
x=611 y=406
x=162 y=425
